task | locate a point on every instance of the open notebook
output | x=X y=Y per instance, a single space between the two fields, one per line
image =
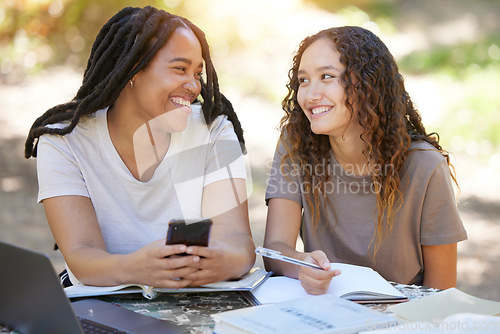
x=355 y=283
x=247 y=282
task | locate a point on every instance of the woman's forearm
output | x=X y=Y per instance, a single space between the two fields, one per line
x=93 y=266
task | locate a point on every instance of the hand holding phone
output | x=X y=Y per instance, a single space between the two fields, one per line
x=189 y=232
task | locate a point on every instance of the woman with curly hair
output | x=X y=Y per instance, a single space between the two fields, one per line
x=135 y=149
x=355 y=173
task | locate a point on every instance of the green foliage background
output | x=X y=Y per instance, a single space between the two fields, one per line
x=38 y=34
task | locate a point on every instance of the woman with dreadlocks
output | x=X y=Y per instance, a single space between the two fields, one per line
x=133 y=150
x=355 y=172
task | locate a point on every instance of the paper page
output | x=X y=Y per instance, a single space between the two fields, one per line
x=407 y=328
x=246 y=282
x=358 y=278
x=443 y=304
x=468 y=323
x=462 y=323
x=353 y=278
x=313 y=314
x=81 y=290
x=279 y=289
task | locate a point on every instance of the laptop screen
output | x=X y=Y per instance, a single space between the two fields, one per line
x=33 y=301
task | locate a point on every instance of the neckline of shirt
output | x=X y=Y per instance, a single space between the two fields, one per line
x=116 y=160
x=341 y=172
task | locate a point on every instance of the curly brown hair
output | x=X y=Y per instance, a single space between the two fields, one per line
x=383 y=108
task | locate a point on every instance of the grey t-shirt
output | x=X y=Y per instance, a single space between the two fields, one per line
x=428 y=216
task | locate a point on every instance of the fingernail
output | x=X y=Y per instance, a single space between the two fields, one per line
x=182 y=248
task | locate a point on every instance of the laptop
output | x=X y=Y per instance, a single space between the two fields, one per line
x=33 y=301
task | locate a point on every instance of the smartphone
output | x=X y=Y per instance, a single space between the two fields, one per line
x=189 y=232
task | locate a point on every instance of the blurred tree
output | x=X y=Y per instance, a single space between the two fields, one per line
x=39 y=33
x=253 y=40
x=455 y=59
x=457 y=47
x=376 y=8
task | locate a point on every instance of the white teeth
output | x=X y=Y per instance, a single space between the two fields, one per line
x=319 y=110
x=181 y=101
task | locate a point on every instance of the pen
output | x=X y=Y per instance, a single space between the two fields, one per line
x=277 y=256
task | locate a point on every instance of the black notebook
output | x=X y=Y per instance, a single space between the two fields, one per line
x=33 y=301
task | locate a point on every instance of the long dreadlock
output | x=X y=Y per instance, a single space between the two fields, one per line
x=124 y=46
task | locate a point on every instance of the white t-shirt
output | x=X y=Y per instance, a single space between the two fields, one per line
x=132 y=213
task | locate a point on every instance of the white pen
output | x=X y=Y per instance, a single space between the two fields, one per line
x=272 y=254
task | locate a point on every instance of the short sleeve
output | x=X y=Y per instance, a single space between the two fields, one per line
x=284 y=178
x=225 y=158
x=57 y=169
x=441 y=223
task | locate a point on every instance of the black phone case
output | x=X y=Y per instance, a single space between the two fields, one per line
x=195 y=233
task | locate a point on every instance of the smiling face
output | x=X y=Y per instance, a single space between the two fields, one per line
x=170 y=82
x=321 y=95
